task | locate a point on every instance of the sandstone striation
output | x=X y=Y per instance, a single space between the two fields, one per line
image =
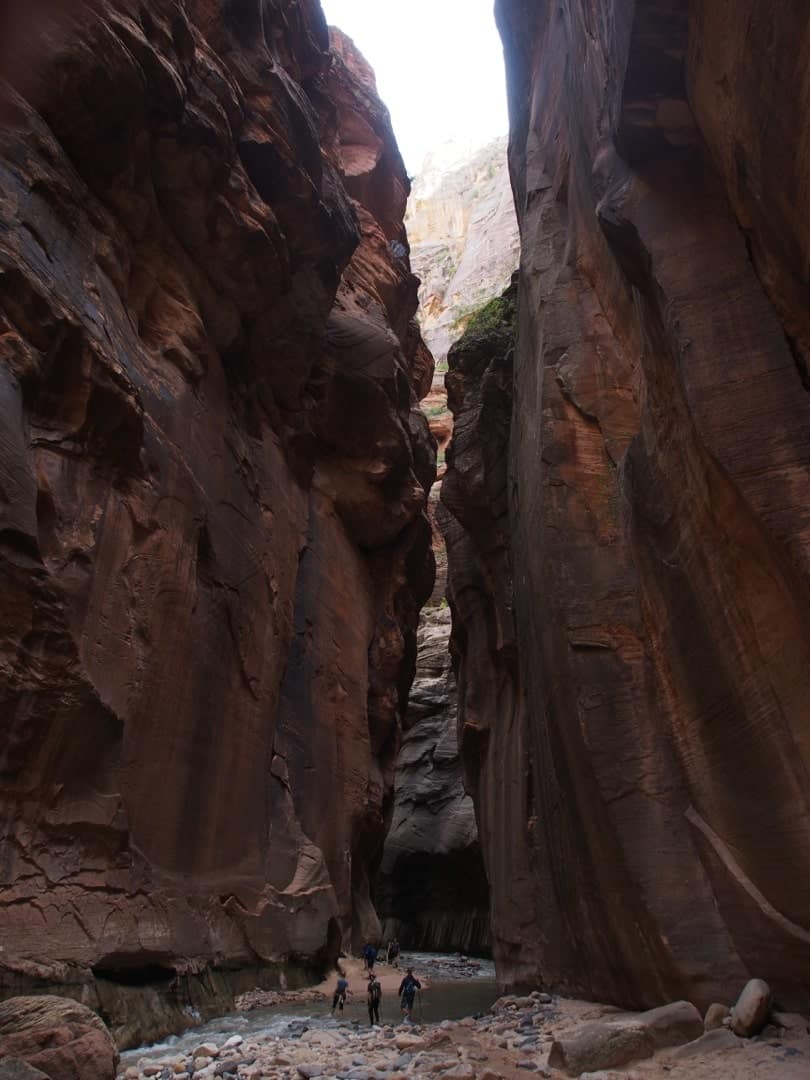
x=62 y=1039
x=213 y=476
x=634 y=706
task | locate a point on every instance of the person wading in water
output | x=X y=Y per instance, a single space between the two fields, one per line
x=374 y=998
x=407 y=992
x=339 y=999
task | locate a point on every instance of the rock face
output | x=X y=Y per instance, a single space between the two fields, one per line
x=213 y=540
x=464 y=238
x=431 y=890
x=63 y=1039
x=653 y=838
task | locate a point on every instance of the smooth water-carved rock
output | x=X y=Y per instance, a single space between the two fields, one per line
x=63 y=1039
x=431 y=890
x=213 y=544
x=654 y=840
x=751 y=1010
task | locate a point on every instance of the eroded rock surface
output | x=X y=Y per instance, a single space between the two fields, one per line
x=431 y=889
x=213 y=544
x=63 y=1039
x=653 y=840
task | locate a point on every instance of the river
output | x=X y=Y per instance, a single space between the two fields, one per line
x=458 y=987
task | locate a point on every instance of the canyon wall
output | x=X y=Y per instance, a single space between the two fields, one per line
x=431 y=891
x=213 y=477
x=463 y=235
x=631 y=605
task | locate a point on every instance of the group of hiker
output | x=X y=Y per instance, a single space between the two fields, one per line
x=406 y=993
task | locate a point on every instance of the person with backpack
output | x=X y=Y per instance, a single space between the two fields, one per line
x=339 y=999
x=407 y=992
x=374 y=999
x=369 y=956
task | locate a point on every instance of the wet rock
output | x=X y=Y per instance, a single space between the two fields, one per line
x=751 y=1011
x=58 y=1036
x=715 y=1016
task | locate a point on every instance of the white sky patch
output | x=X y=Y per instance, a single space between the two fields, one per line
x=439 y=67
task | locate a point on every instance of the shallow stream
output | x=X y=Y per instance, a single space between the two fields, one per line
x=459 y=987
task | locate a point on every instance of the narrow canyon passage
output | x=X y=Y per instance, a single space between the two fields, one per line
x=326 y=620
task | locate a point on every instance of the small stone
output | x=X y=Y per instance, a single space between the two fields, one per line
x=409 y=1042
x=715 y=1015
x=309 y=1071
x=751 y=1011
x=201 y=1062
x=460 y=1072
x=235 y=1040
x=209 y=1050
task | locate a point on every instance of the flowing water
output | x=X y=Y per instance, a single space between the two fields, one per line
x=458 y=987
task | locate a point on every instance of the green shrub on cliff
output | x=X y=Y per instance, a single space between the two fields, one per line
x=495 y=314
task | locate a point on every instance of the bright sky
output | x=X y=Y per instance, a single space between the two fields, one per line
x=439 y=67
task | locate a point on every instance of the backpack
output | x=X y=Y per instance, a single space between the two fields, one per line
x=375 y=991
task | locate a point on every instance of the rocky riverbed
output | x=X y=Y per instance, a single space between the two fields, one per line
x=534 y=1034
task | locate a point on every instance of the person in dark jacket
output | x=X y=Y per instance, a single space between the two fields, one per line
x=369 y=956
x=374 y=999
x=407 y=992
x=339 y=998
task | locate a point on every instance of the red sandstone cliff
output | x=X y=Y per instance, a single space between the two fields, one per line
x=641 y=772
x=213 y=544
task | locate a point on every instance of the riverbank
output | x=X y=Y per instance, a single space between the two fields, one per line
x=512 y=1040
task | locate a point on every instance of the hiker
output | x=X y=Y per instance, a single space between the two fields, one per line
x=339 y=999
x=369 y=956
x=374 y=998
x=407 y=992
x=393 y=952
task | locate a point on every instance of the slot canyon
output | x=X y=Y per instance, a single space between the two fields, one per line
x=404 y=557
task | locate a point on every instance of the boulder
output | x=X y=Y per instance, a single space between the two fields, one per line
x=791 y=1022
x=601 y=1046
x=719 y=1039
x=60 y=1037
x=13 y=1068
x=751 y=1011
x=715 y=1015
x=673 y=1024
